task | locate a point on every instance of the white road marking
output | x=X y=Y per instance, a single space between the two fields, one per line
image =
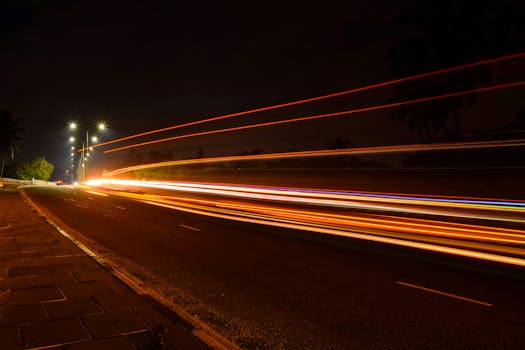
x=190 y=228
x=444 y=293
x=121 y=208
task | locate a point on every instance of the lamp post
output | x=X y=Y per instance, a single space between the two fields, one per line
x=84 y=154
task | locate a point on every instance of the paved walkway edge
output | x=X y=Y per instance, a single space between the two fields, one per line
x=201 y=330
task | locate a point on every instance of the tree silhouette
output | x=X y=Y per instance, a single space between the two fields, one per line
x=451 y=33
x=10 y=136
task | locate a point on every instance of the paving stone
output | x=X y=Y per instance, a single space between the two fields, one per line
x=78 y=259
x=5 y=297
x=86 y=276
x=16 y=255
x=178 y=337
x=120 y=343
x=122 y=301
x=27 y=271
x=114 y=284
x=114 y=323
x=15 y=315
x=149 y=340
x=40 y=261
x=11 y=264
x=36 y=295
x=36 y=240
x=83 y=290
x=153 y=316
x=60 y=278
x=92 y=266
x=58 y=252
x=7 y=247
x=66 y=268
x=37 y=246
x=72 y=308
x=16 y=282
x=10 y=339
x=75 y=250
x=50 y=333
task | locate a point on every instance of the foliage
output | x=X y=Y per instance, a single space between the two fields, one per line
x=452 y=33
x=38 y=168
x=10 y=136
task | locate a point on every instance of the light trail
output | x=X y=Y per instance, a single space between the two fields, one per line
x=473 y=241
x=323 y=97
x=325 y=153
x=326 y=115
x=487 y=209
x=97 y=193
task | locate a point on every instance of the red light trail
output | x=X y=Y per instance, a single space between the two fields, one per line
x=323 y=97
x=326 y=115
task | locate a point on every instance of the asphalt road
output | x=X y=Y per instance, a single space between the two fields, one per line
x=271 y=288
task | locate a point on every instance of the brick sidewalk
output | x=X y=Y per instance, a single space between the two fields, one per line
x=54 y=295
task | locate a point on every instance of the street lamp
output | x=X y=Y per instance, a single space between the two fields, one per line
x=84 y=154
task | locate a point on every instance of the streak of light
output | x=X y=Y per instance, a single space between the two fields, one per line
x=419 y=233
x=450 y=295
x=326 y=153
x=323 y=97
x=426 y=227
x=368 y=237
x=189 y=227
x=326 y=115
x=478 y=209
x=97 y=193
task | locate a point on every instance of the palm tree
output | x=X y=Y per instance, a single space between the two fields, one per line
x=10 y=136
x=452 y=33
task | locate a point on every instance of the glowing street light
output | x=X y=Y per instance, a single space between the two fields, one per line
x=72 y=148
x=84 y=154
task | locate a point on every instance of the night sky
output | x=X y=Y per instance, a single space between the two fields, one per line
x=145 y=65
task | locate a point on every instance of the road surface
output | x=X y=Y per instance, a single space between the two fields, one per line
x=276 y=288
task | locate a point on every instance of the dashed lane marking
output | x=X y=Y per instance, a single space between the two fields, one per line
x=190 y=228
x=450 y=295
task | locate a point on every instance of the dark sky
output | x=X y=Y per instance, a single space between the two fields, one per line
x=144 y=65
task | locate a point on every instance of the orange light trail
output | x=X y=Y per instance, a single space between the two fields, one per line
x=323 y=97
x=490 y=209
x=323 y=153
x=473 y=241
x=326 y=115
x=97 y=193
